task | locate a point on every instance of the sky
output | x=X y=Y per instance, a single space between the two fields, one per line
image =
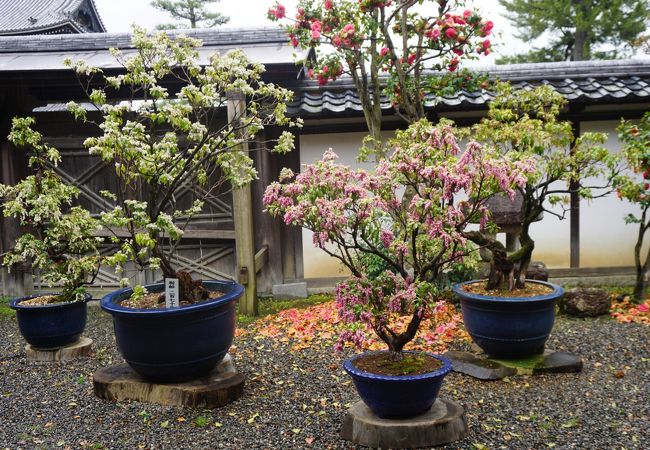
x=118 y=15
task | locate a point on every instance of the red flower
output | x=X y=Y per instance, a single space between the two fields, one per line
x=451 y=33
x=433 y=33
x=328 y=4
x=487 y=28
x=384 y=51
x=279 y=12
x=411 y=59
x=316 y=29
x=294 y=40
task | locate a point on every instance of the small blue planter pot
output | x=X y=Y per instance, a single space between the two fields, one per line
x=401 y=396
x=50 y=327
x=507 y=327
x=175 y=344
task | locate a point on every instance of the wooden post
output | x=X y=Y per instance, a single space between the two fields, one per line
x=242 y=211
x=18 y=282
x=574 y=213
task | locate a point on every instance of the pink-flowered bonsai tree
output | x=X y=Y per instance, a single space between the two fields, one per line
x=410 y=212
x=390 y=47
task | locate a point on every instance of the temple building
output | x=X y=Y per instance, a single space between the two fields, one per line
x=29 y=17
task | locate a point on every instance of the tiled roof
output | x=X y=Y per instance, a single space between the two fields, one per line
x=583 y=81
x=42 y=16
x=47 y=52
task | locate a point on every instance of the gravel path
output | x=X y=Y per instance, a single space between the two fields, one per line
x=298 y=399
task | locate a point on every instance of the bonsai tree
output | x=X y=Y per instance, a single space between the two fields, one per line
x=525 y=123
x=160 y=139
x=58 y=239
x=390 y=48
x=420 y=237
x=634 y=188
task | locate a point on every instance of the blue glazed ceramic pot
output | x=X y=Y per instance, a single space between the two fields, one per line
x=53 y=326
x=397 y=396
x=175 y=344
x=509 y=327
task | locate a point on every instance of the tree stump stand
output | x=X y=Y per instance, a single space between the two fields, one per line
x=220 y=387
x=445 y=422
x=80 y=349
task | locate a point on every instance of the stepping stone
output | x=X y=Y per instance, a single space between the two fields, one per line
x=445 y=422
x=80 y=349
x=220 y=387
x=559 y=362
x=478 y=366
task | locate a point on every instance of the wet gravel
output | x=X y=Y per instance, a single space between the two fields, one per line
x=299 y=399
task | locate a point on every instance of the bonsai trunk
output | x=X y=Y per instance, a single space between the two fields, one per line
x=189 y=290
x=396 y=342
x=642 y=269
x=501 y=267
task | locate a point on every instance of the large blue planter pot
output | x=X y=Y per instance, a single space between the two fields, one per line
x=175 y=344
x=49 y=327
x=394 y=397
x=505 y=327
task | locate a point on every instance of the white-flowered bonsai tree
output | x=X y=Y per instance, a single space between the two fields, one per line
x=526 y=123
x=58 y=239
x=161 y=139
x=411 y=212
x=634 y=187
x=390 y=48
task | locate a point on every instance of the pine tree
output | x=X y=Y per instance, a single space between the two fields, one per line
x=578 y=29
x=194 y=11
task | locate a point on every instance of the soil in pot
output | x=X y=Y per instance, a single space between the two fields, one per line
x=156 y=300
x=43 y=300
x=411 y=364
x=531 y=290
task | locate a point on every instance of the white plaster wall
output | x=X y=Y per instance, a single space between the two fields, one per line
x=312 y=146
x=605 y=239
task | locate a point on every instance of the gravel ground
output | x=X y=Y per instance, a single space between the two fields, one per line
x=298 y=399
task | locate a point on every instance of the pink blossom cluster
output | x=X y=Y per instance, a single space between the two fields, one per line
x=411 y=210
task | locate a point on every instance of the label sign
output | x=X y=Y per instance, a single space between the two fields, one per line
x=171 y=292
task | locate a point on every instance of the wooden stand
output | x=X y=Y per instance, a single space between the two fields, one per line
x=222 y=386
x=445 y=422
x=80 y=349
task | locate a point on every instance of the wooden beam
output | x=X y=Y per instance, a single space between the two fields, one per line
x=261 y=258
x=189 y=234
x=242 y=207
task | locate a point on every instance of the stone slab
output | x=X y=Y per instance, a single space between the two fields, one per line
x=478 y=365
x=290 y=291
x=559 y=362
x=80 y=349
x=220 y=387
x=445 y=422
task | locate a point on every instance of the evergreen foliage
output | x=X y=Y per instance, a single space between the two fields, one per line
x=578 y=29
